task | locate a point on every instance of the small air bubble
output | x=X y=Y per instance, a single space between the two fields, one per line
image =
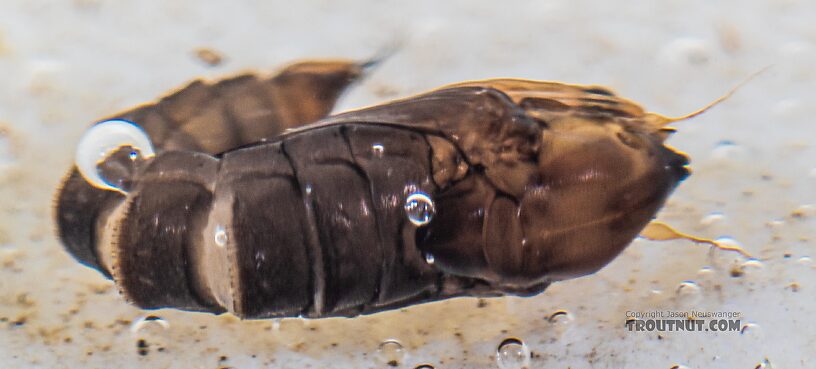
x=424 y=366
x=419 y=208
x=727 y=150
x=150 y=331
x=706 y=275
x=751 y=330
x=765 y=364
x=308 y=189
x=752 y=264
x=103 y=139
x=679 y=366
x=720 y=256
x=149 y=322
x=220 y=236
x=705 y=271
x=429 y=258
x=391 y=353
x=804 y=211
x=513 y=353
x=712 y=218
x=561 y=317
x=804 y=260
x=775 y=223
x=689 y=291
x=377 y=149
x=133 y=155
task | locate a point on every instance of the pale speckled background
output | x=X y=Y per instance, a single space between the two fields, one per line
x=64 y=64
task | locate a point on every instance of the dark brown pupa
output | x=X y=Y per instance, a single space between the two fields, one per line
x=257 y=203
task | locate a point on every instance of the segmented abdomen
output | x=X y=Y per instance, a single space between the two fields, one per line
x=313 y=225
x=203 y=117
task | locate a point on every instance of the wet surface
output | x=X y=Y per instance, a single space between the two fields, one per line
x=67 y=64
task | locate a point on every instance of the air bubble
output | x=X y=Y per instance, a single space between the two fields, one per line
x=751 y=330
x=378 y=149
x=679 y=366
x=429 y=258
x=101 y=140
x=149 y=331
x=424 y=366
x=705 y=272
x=804 y=211
x=712 y=218
x=133 y=155
x=220 y=236
x=561 y=317
x=775 y=223
x=419 y=208
x=391 y=352
x=706 y=276
x=722 y=256
x=727 y=150
x=689 y=291
x=765 y=364
x=308 y=189
x=149 y=323
x=752 y=264
x=804 y=260
x=513 y=353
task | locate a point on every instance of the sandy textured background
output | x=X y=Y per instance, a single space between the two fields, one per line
x=64 y=64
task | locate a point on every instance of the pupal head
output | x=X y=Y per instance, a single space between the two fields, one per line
x=605 y=171
x=601 y=173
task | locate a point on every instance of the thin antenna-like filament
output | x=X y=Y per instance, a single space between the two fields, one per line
x=659 y=231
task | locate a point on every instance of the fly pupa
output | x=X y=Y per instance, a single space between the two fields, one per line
x=242 y=195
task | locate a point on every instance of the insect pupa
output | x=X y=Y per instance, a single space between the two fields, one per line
x=251 y=199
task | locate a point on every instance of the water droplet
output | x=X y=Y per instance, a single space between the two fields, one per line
x=429 y=258
x=419 y=208
x=688 y=291
x=377 y=149
x=712 y=218
x=513 y=353
x=220 y=236
x=391 y=352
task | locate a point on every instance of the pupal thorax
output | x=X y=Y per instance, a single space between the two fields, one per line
x=602 y=173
